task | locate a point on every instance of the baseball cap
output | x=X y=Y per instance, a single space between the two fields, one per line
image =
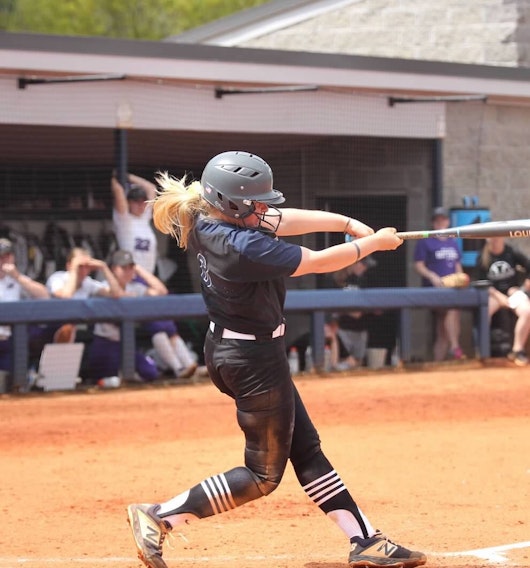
x=6 y=246
x=122 y=258
x=136 y=193
x=440 y=212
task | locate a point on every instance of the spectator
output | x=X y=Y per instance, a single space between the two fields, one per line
x=131 y=217
x=169 y=346
x=351 y=329
x=76 y=282
x=134 y=232
x=436 y=257
x=504 y=266
x=104 y=356
x=340 y=358
x=346 y=333
x=170 y=350
x=14 y=286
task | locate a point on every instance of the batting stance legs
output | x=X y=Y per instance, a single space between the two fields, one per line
x=277 y=428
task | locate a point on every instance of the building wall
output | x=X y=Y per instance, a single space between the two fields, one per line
x=486 y=146
x=487 y=154
x=472 y=31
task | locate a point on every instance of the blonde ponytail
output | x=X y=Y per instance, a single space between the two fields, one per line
x=177 y=206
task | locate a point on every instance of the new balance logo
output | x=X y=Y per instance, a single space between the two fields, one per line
x=387 y=548
x=152 y=535
x=148 y=529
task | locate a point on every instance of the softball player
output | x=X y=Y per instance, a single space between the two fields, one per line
x=231 y=224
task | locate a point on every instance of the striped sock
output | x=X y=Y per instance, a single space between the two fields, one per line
x=330 y=494
x=218 y=493
x=324 y=488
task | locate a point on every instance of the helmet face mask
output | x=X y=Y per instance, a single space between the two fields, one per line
x=234 y=181
x=269 y=221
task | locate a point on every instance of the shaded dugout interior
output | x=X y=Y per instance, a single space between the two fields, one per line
x=61 y=176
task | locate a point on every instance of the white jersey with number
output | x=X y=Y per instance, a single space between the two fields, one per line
x=135 y=234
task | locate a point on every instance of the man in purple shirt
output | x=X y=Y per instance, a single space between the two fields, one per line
x=435 y=258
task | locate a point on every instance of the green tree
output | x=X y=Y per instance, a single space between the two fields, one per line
x=134 y=19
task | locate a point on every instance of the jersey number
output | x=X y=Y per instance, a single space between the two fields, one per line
x=141 y=244
x=205 y=276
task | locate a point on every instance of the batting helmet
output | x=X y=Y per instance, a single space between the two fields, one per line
x=234 y=181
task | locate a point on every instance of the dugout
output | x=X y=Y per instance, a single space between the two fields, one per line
x=330 y=126
x=373 y=178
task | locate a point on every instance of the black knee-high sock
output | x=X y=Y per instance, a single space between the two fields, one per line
x=216 y=494
x=326 y=489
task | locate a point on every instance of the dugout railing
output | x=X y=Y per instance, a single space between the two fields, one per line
x=127 y=311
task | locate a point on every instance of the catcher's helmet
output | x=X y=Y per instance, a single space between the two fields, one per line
x=234 y=181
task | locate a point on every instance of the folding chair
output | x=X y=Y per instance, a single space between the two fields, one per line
x=59 y=366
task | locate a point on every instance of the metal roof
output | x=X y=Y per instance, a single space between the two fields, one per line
x=249 y=23
x=34 y=53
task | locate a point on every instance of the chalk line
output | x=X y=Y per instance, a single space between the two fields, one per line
x=492 y=554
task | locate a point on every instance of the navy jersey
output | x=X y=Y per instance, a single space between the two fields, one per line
x=502 y=272
x=243 y=275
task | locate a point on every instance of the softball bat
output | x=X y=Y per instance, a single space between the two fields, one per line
x=518 y=228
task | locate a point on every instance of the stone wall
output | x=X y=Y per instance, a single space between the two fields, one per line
x=487 y=153
x=491 y=32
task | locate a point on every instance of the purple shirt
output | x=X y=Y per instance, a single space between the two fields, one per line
x=439 y=256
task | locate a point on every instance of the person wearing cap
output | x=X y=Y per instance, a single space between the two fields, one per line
x=131 y=219
x=14 y=286
x=434 y=258
x=105 y=353
x=76 y=282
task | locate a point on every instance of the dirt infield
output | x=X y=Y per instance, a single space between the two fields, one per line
x=437 y=458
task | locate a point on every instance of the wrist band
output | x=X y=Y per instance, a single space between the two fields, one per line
x=347 y=225
x=358 y=249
